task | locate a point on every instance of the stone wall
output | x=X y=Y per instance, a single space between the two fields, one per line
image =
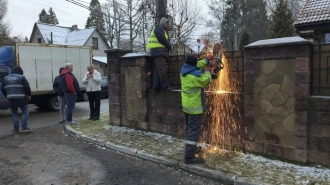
x=278 y=116
x=277 y=77
x=318 y=142
x=132 y=102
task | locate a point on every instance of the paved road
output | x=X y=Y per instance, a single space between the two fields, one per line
x=40 y=119
x=49 y=156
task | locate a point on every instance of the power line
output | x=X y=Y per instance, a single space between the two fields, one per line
x=78 y=4
x=33 y=12
x=41 y=4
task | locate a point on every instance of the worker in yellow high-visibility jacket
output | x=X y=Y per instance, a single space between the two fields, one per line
x=195 y=75
x=159 y=45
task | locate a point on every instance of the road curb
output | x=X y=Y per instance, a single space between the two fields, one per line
x=120 y=148
x=158 y=159
x=218 y=174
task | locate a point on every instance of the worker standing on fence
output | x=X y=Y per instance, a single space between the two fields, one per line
x=193 y=81
x=159 y=45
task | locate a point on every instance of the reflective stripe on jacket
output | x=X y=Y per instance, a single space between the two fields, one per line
x=14 y=86
x=193 y=81
x=153 y=41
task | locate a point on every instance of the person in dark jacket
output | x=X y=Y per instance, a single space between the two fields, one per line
x=70 y=89
x=159 y=45
x=17 y=90
x=57 y=87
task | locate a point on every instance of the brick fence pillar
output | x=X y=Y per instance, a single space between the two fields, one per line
x=113 y=57
x=277 y=78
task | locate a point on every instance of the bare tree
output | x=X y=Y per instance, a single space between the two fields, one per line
x=217 y=9
x=4 y=26
x=186 y=16
x=133 y=18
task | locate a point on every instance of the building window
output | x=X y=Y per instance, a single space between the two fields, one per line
x=95 y=43
x=327 y=38
x=39 y=40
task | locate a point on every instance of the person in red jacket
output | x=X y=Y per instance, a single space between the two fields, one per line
x=70 y=89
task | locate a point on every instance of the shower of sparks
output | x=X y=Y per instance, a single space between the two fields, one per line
x=222 y=96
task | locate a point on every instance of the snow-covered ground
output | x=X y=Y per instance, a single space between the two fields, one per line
x=243 y=165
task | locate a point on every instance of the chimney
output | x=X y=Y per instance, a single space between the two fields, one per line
x=74 y=27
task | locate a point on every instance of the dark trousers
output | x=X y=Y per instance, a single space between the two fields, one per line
x=94 y=99
x=160 y=79
x=70 y=105
x=25 y=116
x=193 y=131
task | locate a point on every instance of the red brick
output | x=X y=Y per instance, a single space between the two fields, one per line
x=302 y=90
x=161 y=128
x=249 y=100
x=301 y=103
x=301 y=117
x=274 y=150
x=300 y=130
x=302 y=78
x=301 y=143
x=303 y=64
x=115 y=121
x=324 y=145
x=248 y=111
x=248 y=65
x=141 y=61
x=319 y=131
x=295 y=154
x=318 y=157
x=254 y=146
x=143 y=125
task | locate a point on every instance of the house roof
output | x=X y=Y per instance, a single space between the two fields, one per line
x=101 y=59
x=195 y=46
x=64 y=35
x=314 y=11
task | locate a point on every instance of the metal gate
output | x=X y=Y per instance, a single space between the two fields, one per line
x=321 y=70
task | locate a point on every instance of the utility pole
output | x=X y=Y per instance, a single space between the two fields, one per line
x=161 y=7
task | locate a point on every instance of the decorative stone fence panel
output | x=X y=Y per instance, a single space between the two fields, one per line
x=277 y=77
x=132 y=102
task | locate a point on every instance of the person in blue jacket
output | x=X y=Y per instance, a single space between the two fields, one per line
x=17 y=90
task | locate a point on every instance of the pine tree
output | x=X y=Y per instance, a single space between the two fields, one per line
x=255 y=19
x=281 y=24
x=43 y=16
x=52 y=19
x=230 y=24
x=26 y=40
x=245 y=39
x=96 y=17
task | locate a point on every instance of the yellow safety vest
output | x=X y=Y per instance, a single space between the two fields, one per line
x=192 y=94
x=153 y=41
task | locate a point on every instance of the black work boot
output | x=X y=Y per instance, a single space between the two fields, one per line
x=195 y=160
x=199 y=150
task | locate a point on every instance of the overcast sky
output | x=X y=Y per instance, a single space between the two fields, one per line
x=22 y=14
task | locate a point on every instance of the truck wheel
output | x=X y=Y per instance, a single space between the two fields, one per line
x=84 y=96
x=41 y=106
x=53 y=104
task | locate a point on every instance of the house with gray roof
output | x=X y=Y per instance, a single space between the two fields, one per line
x=314 y=21
x=54 y=34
